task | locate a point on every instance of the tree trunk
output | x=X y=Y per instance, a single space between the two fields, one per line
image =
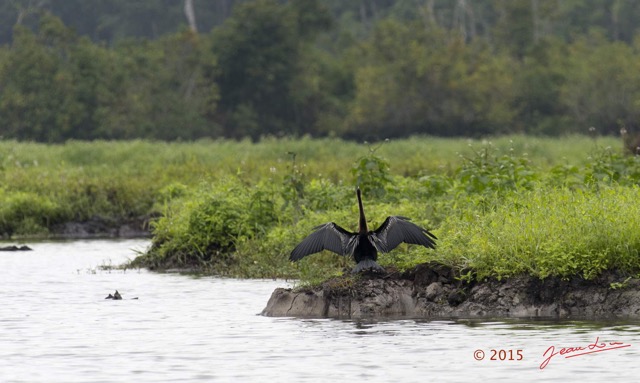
x=535 y=20
x=191 y=15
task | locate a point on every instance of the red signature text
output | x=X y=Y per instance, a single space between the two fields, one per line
x=571 y=352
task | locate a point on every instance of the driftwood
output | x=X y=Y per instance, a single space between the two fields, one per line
x=15 y=248
x=116 y=296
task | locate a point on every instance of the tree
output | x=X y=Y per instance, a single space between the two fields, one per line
x=538 y=84
x=37 y=98
x=416 y=80
x=258 y=52
x=602 y=89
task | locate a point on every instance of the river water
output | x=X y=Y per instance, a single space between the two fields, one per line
x=56 y=326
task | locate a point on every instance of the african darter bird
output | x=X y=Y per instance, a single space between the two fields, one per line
x=364 y=245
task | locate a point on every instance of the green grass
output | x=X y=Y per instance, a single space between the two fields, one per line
x=548 y=232
x=500 y=207
x=326 y=158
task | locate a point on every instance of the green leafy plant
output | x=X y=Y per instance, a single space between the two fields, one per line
x=293 y=185
x=620 y=285
x=371 y=173
x=486 y=171
x=607 y=166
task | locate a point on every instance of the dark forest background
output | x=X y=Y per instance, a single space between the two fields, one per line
x=360 y=69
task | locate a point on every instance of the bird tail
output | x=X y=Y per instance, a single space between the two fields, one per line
x=367 y=264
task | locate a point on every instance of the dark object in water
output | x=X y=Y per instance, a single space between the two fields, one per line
x=115 y=296
x=15 y=248
x=364 y=245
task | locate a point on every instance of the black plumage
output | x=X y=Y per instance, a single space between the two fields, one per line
x=364 y=245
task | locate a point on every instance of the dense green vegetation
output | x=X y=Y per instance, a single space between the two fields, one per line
x=510 y=205
x=499 y=209
x=515 y=204
x=368 y=69
x=279 y=72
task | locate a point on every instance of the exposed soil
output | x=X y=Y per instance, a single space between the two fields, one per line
x=432 y=290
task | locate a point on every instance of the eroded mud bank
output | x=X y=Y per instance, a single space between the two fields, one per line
x=432 y=290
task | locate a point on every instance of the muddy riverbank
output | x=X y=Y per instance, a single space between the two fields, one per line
x=433 y=290
x=103 y=227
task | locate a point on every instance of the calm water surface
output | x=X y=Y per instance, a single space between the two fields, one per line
x=56 y=326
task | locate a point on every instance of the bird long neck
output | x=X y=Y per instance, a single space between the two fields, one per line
x=363 y=221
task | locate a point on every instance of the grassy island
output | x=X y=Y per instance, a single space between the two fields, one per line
x=500 y=207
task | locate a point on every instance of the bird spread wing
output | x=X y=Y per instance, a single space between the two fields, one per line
x=328 y=236
x=395 y=230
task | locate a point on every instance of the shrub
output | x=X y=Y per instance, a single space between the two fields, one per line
x=24 y=213
x=205 y=229
x=486 y=171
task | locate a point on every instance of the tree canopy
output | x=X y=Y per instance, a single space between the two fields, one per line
x=362 y=69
